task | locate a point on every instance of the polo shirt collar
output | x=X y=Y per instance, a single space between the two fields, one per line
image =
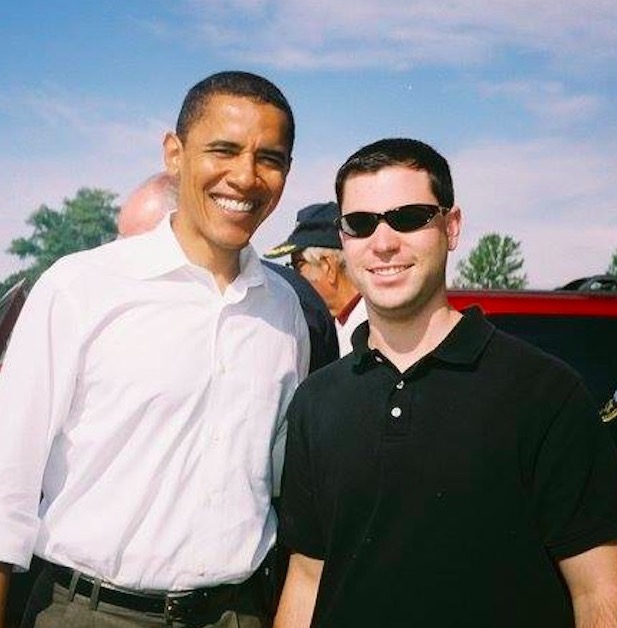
x=466 y=342
x=463 y=345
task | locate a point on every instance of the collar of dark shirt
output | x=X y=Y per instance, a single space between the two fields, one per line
x=463 y=345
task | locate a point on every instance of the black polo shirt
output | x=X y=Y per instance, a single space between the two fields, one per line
x=443 y=496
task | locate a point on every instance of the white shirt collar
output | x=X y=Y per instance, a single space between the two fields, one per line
x=158 y=252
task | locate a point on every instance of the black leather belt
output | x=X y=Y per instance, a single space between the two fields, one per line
x=173 y=605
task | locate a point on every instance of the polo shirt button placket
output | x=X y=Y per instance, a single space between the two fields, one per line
x=399 y=408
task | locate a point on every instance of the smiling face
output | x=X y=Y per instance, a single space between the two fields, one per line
x=232 y=169
x=399 y=274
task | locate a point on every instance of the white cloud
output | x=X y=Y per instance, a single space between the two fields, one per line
x=84 y=121
x=403 y=33
x=549 y=100
x=554 y=196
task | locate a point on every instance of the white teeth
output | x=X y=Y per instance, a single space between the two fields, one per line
x=389 y=270
x=233 y=205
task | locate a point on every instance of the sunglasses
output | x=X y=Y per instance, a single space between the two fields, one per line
x=405 y=218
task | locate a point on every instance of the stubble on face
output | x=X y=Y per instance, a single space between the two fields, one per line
x=400 y=275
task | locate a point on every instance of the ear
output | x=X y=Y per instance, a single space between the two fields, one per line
x=330 y=269
x=172 y=153
x=453 y=227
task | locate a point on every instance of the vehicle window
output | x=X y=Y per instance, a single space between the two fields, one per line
x=587 y=343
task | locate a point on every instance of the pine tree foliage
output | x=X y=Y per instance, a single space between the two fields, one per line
x=496 y=262
x=612 y=269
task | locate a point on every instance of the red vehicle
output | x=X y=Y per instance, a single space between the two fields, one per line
x=580 y=327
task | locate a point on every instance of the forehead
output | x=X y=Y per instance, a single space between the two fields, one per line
x=239 y=116
x=388 y=187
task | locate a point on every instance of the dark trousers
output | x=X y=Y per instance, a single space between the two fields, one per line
x=51 y=606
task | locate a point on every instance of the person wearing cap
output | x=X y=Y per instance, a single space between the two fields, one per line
x=315 y=249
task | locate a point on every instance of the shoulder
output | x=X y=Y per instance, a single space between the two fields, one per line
x=327 y=384
x=70 y=268
x=522 y=356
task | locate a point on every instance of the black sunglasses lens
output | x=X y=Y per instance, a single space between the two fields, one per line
x=358 y=224
x=403 y=219
x=410 y=217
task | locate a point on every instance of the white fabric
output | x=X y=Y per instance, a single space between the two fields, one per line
x=358 y=315
x=147 y=404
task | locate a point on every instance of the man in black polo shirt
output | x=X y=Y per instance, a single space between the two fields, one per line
x=444 y=474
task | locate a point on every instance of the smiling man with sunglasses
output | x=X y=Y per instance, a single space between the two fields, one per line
x=444 y=474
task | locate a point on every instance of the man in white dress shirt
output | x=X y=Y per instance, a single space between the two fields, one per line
x=315 y=249
x=144 y=389
x=155 y=197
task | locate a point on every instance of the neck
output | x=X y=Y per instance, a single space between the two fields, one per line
x=224 y=264
x=404 y=340
x=344 y=293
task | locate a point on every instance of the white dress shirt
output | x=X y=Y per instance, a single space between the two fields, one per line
x=358 y=315
x=146 y=405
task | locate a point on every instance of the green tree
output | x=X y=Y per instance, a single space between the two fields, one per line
x=612 y=269
x=82 y=222
x=496 y=262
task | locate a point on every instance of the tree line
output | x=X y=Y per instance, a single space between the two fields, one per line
x=89 y=219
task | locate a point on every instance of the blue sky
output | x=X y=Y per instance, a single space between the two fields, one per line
x=519 y=95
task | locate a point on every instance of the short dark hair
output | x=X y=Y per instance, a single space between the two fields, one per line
x=232 y=83
x=400 y=152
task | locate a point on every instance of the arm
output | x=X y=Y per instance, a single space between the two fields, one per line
x=36 y=385
x=5 y=575
x=592 y=580
x=299 y=592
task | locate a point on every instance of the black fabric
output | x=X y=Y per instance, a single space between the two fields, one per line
x=444 y=496
x=608 y=414
x=322 y=331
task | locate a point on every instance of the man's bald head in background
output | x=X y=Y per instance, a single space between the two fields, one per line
x=147 y=204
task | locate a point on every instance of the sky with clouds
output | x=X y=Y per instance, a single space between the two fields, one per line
x=520 y=96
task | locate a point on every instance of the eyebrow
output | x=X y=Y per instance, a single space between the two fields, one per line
x=268 y=152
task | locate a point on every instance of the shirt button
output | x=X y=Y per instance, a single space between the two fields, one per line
x=400 y=384
x=396 y=412
x=378 y=359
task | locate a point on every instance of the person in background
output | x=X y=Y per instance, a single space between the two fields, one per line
x=444 y=473
x=148 y=204
x=157 y=196
x=144 y=391
x=315 y=249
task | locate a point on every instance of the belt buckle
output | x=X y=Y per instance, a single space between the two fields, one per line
x=181 y=606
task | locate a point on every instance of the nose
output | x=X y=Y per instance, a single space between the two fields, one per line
x=384 y=239
x=243 y=173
